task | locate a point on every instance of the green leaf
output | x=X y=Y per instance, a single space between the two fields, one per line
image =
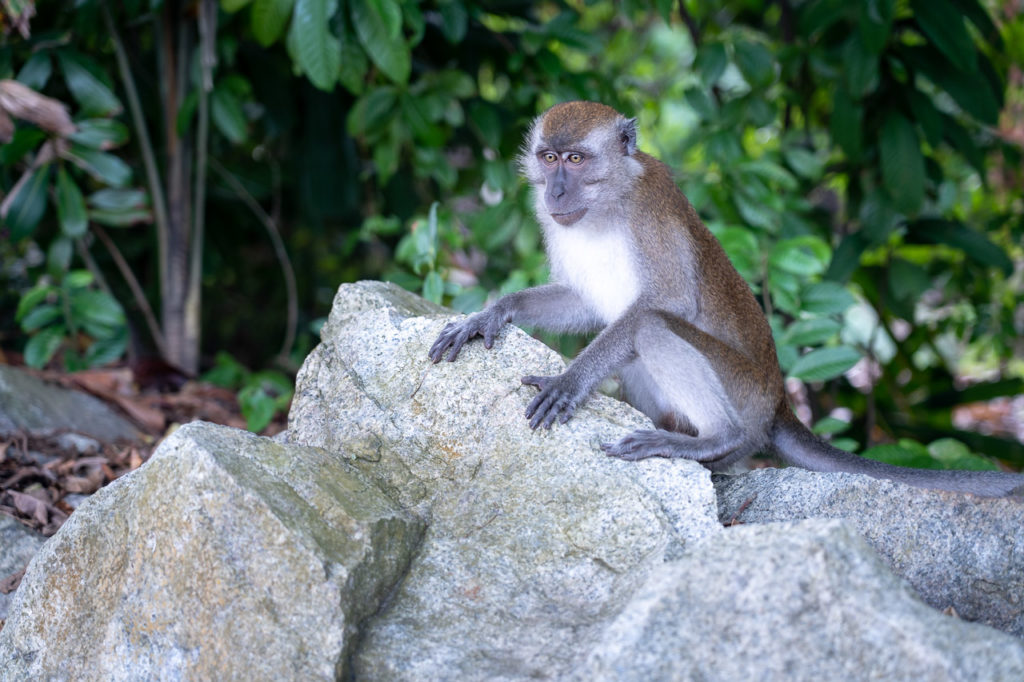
x=232 y=6
x=845 y=124
x=952 y=454
x=41 y=347
x=805 y=162
x=36 y=71
x=902 y=163
x=824 y=363
x=710 y=63
x=258 y=407
x=846 y=258
x=354 y=64
x=120 y=218
x=70 y=206
x=433 y=287
x=755 y=62
x=825 y=298
x=269 y=17
x=830 y=425
x=973 y=94
x=802 y=256
x=811 y=332
x=926 y=115
x=58 y=255
x=104 y=351
x=943 y=24
x=819 y=15
x=878 y=219
x=974 y=244
x=860 y=67
x=740 y=246
x=39 y=317
x=876 y=23
x=904 y=454
x=227 y=115
x=118 y=199
x=28 y=206
x=105 y=167
x=78 y=279
x=378 y=25
x=454 y=21
x=24 y=140
x=95 y=98
x=97 y=312
x=317 y=51
x=32 y=298
x=100 y=133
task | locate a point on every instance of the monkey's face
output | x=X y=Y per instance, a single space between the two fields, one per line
x=578 y=157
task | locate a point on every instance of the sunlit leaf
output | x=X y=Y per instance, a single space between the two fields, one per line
x=824 y=363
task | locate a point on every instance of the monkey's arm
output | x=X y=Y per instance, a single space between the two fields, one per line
x=560 y=395
x=552 y=307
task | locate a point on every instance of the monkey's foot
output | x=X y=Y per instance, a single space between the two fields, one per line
x=557 y=399
x=641 y=445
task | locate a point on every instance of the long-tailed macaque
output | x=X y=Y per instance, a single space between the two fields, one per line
x=631 y=259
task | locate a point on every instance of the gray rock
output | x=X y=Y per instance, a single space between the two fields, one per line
x=18 y=544
x=956 y=550
x=535 y=538
x=225 y=556
x=32 y=405
x=791 y=601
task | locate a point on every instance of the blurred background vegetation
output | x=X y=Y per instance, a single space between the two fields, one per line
x=191 y=180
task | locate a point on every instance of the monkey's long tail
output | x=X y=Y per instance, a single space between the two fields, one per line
x=795 y=444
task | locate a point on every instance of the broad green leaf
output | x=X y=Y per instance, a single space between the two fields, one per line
x=974 y=244
x=100 y=133
x=454 y=21
x=317 y=51
x=801 y=256
x=926 y=115
x=962 y=141
x=811 y=332
x=227 y=115
x=24 y=140
x=902 y=454
x=269 y=17
x=952 y=454
x=830 y=425
x=902 y=163
x=378 y=25
x=354 y=64
x=846 y=258
x=257 y=406
x=118 y=199
x=70 y=206
x=973 y=94
x=433 y=287
x=372 y=114
x=876 y=23
x=105 y=167
x=978 y=15
x=825 y=298
x=878 y=219
x=78 y=279
x=943 y=24
x=107 y=350
x=740 y=246
x=907 y=280
x=58 y=255
x=36 y=71
x=41 y=347
x=32 y=298
x=28 y=206
x=121 y=218
x=98 y=313
x=804 y=162
x=95 y=98
x=824 y=363
x=819 y=15
x=710 y=63
x=845 y=124
x=860 y=67
x=755 y=62
x=40 y=316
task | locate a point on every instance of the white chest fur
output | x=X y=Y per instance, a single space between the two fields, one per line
x=597 y=264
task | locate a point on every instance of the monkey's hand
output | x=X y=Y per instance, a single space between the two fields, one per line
x=486 y=323
x=558 y=398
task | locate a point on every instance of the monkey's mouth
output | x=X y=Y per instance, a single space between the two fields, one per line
x=569 y=218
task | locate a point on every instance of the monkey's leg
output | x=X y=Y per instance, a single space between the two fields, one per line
x=552 y=306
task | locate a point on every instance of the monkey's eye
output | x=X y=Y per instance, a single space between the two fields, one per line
x=575 y=158
x=549 y=157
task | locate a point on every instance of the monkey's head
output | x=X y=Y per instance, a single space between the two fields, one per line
x=579 y=156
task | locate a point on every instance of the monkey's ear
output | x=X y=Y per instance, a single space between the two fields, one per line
x=627 y=135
